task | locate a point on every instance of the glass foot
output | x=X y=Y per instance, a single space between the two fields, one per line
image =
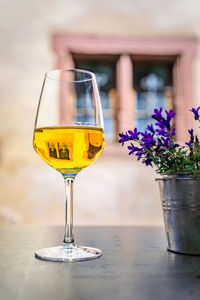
x=68 y=253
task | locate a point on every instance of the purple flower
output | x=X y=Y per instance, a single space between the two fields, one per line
x=167 y=142
x=170 y=114
x=147 y=162
x=133 y=149
x=131 y=135
x=162 y=131
x=150 y=128
x=173 y=132
x=124 y=138
x=148 y=140
x=139 y=153
x=157 y=114
x=134 y=134
x=189 y=144
x=195 y=112
x=176 y=145
x=164 y=124
x=157 y=149
x=191 y=132
x=161 y=121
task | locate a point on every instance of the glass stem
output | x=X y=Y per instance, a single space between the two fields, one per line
x=68 y=237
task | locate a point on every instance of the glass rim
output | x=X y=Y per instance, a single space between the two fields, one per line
x=48 y=75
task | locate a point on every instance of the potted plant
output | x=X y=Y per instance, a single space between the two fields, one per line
x=179 y=184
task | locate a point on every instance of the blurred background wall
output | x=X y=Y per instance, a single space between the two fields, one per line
x=115 y=190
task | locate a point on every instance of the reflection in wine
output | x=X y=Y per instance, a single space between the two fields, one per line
x=69 y=149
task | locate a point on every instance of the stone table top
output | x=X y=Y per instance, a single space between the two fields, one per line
x=135 y=265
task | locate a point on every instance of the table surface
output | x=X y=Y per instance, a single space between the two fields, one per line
x=135 y=265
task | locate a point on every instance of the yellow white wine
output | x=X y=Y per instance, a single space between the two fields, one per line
x=69 y=149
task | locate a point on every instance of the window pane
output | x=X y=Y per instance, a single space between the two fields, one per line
x=104 y=69
x=153 y=87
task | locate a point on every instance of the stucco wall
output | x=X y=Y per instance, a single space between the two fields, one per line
x=114 y=190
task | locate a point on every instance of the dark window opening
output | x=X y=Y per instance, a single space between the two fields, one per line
x=153 y=85
x=104 y=67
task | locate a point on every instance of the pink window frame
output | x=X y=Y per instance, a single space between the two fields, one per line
x=183 y=49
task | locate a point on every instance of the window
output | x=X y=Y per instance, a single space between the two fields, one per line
x=134 y=76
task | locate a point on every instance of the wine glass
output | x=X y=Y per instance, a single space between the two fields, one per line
x=69 y=136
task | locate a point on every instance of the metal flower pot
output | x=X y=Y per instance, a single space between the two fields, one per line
x=180 y=196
